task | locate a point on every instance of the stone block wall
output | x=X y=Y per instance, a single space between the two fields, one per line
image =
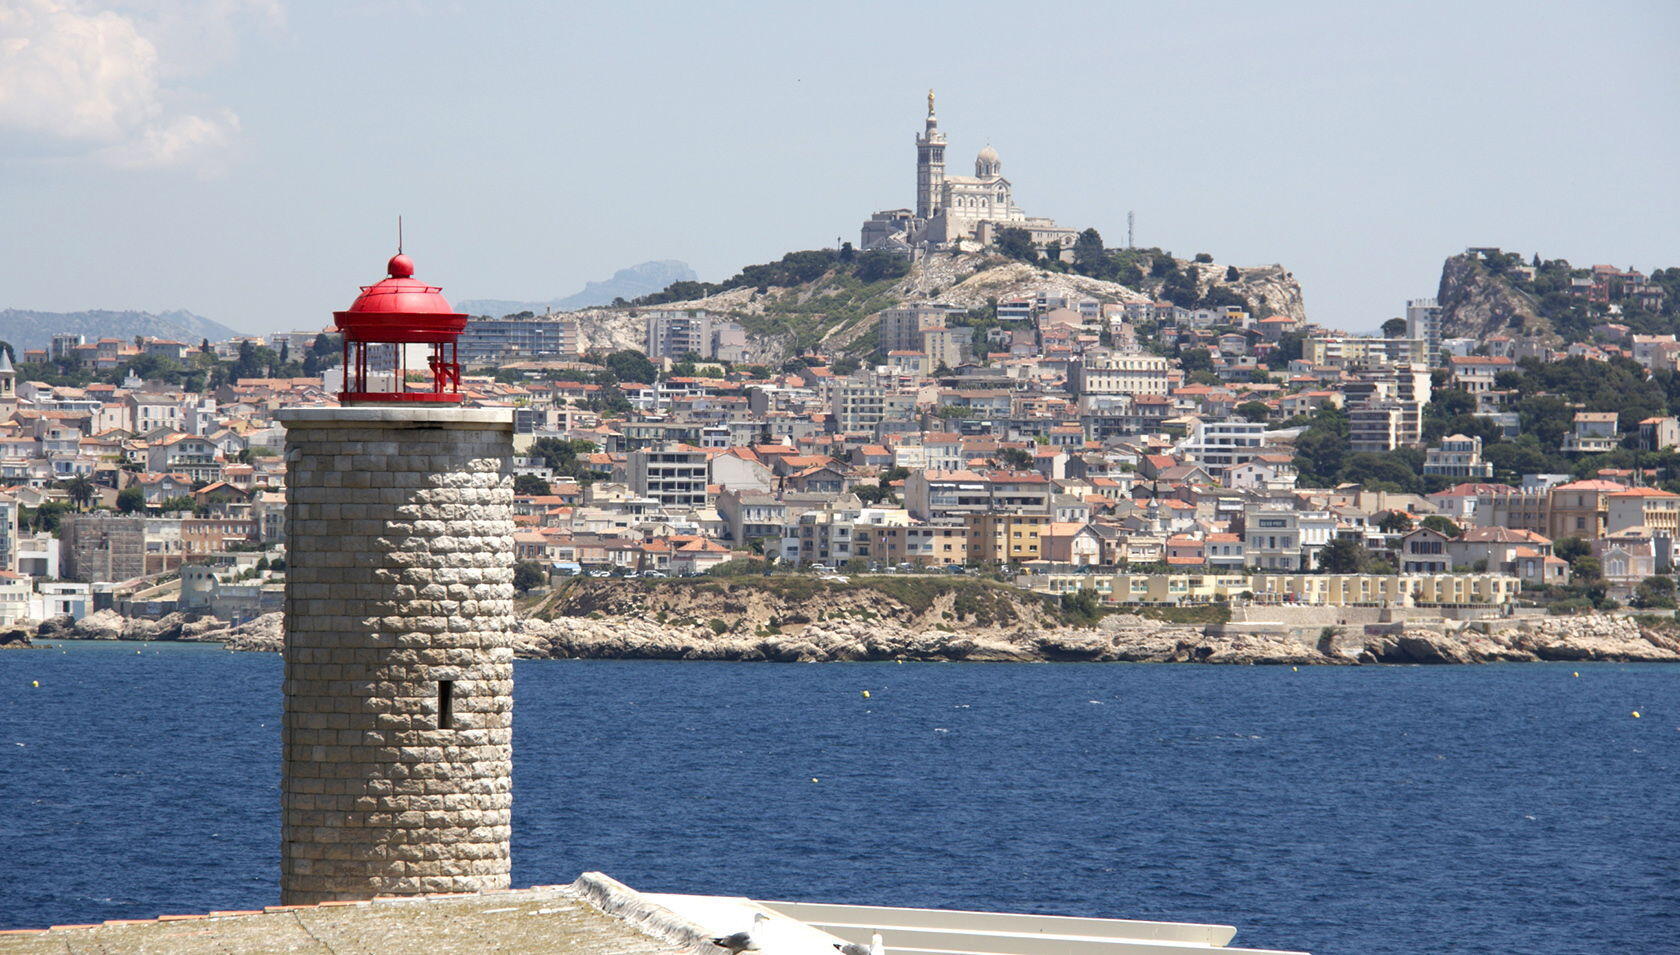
x=399 y=592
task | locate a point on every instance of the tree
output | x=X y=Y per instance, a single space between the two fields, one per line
x=81 y=491
x=530 y=484
x=1195 y=359
x=1016 y=458
x=1255 y=411
x=1394 y=328
x=631 y=365
x=1204 y=257
x=846 y=252
x=1016 y=243
x=1394 y=522
x=1231 y=274
x=1344 y=556
x=1654 y=592
x=1441 y=525
x=528 y=575
x=1089 y=254
x=1082 y=606
x=1587 y=569
x=131 y=499
x=561 y=457
x=46 y=517
x=871 y=493
x=878 y=265
x=1570 y=548
x=1319 y=449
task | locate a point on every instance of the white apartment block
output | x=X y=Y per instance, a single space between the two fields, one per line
x=672 y=474
x=1114 y=373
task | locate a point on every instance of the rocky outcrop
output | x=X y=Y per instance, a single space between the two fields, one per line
x=620 y=638
x=265 y=634
x=1588 y=637
x=16 y=638
x=972 y=280
x=110 y=625
x=1598 y=637
x=788 y=603
x=1476 y=303
x=100 y=625
x=56 y=628
x=932 y=634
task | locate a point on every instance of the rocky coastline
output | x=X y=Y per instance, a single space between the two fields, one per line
x=1117 y=638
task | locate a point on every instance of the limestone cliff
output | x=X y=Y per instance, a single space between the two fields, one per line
x=836 y=308
x=1475 y=303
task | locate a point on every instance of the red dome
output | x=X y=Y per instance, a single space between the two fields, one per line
x=401 y=308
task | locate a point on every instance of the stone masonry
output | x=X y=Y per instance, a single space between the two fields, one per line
x=397 y=760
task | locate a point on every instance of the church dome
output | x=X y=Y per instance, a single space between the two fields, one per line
x=989 y=155
x=987 y=164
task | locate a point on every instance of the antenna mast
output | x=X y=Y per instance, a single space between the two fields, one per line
x=399 y=235
x=1129 y=222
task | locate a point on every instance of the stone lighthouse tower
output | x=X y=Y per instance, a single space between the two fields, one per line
x=397 y=733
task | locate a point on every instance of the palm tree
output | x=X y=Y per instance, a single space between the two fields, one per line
x=80 y=490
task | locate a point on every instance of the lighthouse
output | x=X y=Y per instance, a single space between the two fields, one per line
x=397 y=760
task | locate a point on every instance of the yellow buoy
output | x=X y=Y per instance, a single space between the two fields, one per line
x=1636 y=714
x=813 y=779
x=1294 y=669
x=866 y=694
x=1576 y=673
x=34 y=682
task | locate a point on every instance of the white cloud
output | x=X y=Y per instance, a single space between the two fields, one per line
x=181 y=140
x=90 y=81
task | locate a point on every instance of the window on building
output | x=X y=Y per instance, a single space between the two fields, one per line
x=446 y=704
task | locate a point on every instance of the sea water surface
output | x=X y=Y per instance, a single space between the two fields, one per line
x=1514 y=808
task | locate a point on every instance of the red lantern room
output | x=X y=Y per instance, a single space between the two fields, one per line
x=378 y=328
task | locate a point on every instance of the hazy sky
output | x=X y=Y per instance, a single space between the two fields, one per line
x=246 y=159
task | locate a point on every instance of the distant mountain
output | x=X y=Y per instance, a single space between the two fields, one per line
x=23 y=328
x=633 y=282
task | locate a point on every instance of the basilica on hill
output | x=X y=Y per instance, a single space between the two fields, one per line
x=956 y=212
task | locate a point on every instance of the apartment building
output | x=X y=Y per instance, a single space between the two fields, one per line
x=1102 y=373
x=1219 y=446
x=857 y=406
x=1595 y=432
x=995 y=538
x=1647 y=507
x=494 y=341
x=1457 y=456
x=924 y=544
x=673 y=475
x=678 y=333
x=1375 y=427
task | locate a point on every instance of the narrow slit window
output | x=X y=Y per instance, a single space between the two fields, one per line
x=446 y=704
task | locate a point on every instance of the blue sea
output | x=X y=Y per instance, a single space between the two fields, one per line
x=1515 y=808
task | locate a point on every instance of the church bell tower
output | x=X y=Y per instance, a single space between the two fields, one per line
x=930 y=165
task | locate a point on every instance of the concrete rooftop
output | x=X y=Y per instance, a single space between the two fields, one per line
x=550 y=919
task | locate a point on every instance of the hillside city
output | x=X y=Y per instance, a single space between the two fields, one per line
x=1135 y=453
